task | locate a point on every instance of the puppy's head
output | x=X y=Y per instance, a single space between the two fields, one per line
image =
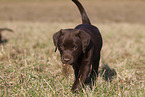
x=71 y=43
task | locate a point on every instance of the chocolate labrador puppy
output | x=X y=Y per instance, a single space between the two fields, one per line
x=80 y=47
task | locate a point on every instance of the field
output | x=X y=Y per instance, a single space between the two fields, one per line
x=30 y=67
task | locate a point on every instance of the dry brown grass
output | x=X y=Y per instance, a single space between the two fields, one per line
x=29 y=66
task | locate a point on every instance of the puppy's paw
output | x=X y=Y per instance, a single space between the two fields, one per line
x=75 y=88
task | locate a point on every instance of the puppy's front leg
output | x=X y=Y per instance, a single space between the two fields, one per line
x=83 y=74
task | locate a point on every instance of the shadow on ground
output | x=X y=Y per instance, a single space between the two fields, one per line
x=107 y=73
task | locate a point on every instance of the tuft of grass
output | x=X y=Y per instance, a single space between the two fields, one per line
x=30 y=67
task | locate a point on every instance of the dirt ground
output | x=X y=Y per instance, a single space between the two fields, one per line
x=62 y=11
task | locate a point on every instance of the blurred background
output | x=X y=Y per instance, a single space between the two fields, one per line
x=99 y=11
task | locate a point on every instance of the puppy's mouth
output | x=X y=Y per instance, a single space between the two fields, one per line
x=67 y=63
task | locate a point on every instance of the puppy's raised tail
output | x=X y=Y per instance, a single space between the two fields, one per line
x=6 y=29
x=85 y=19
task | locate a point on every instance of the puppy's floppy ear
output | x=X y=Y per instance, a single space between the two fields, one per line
x=56 y=38
x=85 y=37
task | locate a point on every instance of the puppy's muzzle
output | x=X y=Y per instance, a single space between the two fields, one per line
x=66 y=59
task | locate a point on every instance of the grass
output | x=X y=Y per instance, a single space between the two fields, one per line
x=30 y=67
